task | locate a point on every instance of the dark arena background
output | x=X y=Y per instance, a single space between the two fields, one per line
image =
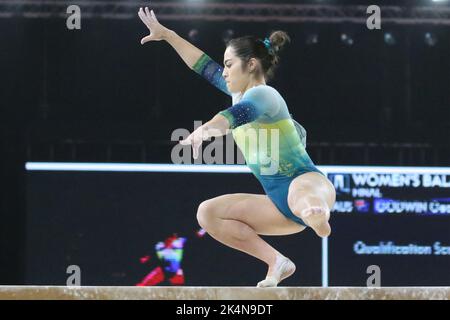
x=88 y=132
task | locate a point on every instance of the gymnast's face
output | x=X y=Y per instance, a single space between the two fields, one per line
x=236 y=74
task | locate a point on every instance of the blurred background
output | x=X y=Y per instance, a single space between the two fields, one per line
x=96 y=95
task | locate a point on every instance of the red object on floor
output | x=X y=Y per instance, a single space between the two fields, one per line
x=153 y=278
x=177 y=279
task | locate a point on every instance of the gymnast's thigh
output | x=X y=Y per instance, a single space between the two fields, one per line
x=255 y=210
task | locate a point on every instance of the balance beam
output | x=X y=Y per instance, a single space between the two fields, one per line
x=221 y=293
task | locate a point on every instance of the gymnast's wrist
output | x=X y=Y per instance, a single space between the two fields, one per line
x=205 y=132
x=168 y=35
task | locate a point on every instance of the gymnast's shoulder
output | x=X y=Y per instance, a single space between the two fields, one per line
x=261 y=91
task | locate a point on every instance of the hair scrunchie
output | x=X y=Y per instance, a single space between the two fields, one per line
x=268 y=45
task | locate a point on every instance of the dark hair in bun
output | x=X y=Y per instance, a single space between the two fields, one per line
x=266 y=52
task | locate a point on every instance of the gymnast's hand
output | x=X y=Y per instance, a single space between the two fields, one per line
x=157 y=30
x=196 y=139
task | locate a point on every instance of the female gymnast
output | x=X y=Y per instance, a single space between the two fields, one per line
x=298 y=195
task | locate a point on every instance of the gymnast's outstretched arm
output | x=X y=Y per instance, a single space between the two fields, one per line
x=194 y=58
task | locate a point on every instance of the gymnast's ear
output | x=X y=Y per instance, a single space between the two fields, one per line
x=252 y=65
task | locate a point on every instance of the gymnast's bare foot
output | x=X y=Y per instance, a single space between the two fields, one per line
x=280 y=270
x=317 y=218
